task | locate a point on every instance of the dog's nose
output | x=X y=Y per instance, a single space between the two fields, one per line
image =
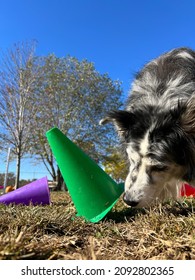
x=129 y=202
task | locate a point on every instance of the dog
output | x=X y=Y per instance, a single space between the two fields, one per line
x=157 y=129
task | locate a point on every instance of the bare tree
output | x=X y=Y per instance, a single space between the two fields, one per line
x=17 y=107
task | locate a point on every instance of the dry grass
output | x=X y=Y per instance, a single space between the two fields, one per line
x=53 y=232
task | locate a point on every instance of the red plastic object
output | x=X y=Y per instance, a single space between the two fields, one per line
x=187 y=190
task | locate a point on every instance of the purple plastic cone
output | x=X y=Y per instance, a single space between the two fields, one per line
x=34 y=193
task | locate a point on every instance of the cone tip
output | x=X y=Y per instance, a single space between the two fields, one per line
x=51 y=130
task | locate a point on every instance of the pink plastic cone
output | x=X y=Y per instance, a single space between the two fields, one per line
x=34 y=193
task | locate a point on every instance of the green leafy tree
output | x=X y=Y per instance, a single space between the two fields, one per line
x=74 y=96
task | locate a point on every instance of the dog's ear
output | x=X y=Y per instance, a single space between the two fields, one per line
x=188 y=117
x=187 y=120
x=122 y=120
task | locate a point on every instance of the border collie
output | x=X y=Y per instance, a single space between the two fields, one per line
x=157 y=129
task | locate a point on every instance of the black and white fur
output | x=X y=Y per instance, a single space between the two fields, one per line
x=157 y=128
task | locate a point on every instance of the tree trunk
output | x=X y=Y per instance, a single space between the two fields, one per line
x=60 y=181
x=18 y=170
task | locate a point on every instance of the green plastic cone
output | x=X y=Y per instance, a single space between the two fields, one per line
x=93 y=192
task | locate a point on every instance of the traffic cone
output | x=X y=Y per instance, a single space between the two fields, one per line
x=34 y=193
x=187 y=190
x=93 y=192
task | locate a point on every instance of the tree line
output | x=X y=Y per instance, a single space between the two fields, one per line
x=11 y=178
x=41 y=92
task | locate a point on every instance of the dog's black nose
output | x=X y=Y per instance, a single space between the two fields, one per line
x=129 y=202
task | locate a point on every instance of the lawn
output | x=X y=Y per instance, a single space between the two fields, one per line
x=53 y=232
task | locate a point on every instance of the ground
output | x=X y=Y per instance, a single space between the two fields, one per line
x=53 y=232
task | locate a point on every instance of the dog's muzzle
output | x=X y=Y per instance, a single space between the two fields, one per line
x=128 y=200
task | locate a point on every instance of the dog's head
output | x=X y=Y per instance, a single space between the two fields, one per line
x=159 y=146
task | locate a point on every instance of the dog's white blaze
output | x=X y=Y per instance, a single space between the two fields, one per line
x=133 y=155
x=184 y=55
x=144 y=145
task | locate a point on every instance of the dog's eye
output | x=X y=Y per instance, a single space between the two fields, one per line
x=159 y=168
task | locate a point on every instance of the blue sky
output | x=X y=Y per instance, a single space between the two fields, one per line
x=119 y=36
